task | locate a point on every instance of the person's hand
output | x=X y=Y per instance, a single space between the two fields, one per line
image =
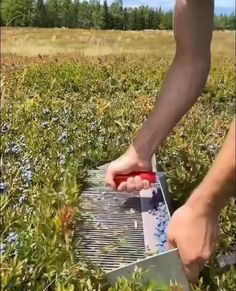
x=127 y=163
x=193 y=230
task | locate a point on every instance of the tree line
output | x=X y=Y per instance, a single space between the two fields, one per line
x=91 y=14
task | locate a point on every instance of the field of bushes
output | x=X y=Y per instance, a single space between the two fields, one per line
x=63 y=115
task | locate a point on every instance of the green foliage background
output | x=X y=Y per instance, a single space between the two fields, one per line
x=92 y=14
x=99 y=103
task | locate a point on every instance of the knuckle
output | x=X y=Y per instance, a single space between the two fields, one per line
x=189 y=259
x=195 y=258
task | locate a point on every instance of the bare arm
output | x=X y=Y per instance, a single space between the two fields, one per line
x=219 y=183
x=186 y=77
x=184 y=82
x=193 y=228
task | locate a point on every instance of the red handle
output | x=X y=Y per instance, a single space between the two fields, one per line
x=150 y=176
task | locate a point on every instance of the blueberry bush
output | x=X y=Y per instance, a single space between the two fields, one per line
x=63 y=116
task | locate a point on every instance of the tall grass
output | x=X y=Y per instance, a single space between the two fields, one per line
x=32 y=41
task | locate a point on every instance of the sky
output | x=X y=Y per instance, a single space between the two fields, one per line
x=221 y=6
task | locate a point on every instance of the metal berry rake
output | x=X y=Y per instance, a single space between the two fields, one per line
x=122 y=231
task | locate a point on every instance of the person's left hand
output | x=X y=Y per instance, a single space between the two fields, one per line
x=193 y=230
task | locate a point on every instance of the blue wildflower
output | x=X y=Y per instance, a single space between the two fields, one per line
x=3 y=187
x=12 y=237
x=63 y=137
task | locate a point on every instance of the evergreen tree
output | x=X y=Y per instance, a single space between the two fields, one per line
x=84 y=15
x=125 y=19
x=150 y=19
x=230 y=22
x=66 y=13
x=76 y=8
x=105 y=16
x=166 y=21
x=90 y=13
x=117 y=14
x=40 y=17
x=133 y=19
x=53 y=12
x=96 y=14
x=157 y=19
x=17 y=12
x=140 y=19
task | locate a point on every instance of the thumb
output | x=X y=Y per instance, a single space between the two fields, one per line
x=110 y=179
x=171 y=243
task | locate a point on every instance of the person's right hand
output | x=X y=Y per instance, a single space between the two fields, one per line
x=193 y=229
x=127 y=163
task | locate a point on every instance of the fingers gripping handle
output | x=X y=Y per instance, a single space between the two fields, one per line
x=149 y=176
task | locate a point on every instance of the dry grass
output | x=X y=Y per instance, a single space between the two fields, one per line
x=34 y=41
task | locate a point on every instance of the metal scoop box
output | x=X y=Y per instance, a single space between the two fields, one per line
x=121 y=231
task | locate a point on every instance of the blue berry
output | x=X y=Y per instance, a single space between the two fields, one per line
x=158 y=232
x=161 y=249
x=3 y=188
x=158 y=221
x=12 y=237
x=163 y=237
x=63 y=137
x=163 y=208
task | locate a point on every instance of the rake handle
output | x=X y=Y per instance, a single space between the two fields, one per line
x=149 y=176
